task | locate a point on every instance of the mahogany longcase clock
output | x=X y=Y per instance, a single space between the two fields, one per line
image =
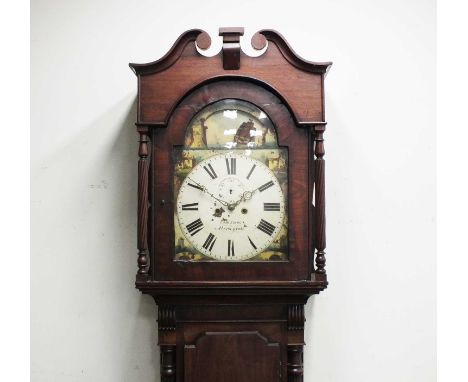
x=231 y=205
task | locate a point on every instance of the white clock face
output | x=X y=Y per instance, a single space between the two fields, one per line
x=230 y=207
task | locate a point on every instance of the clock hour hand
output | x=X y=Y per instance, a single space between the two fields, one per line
x=247 y=195
x=203 y=188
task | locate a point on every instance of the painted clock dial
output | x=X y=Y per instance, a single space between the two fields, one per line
x=230 y=187
x=230 y=207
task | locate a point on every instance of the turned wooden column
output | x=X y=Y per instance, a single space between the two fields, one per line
x=167 y=341
x=143 y=169
x=319 y=167
x=295 y=366
x=168 y=363
x=296 y=319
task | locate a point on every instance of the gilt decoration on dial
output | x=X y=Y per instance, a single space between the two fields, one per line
x=230 y=187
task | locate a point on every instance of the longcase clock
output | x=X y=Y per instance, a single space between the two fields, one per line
x=231 y=205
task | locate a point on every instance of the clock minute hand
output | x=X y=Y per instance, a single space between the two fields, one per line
x=203 y=188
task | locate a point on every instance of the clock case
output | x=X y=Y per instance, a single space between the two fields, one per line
x=213 y=317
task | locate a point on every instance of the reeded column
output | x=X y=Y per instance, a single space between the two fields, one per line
x=320 y=239
x=143 y=168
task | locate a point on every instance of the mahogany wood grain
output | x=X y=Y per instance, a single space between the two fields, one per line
x=235 y=321
x=231 y=47
x=289 y=136
x=163 y=83
x=241 y=356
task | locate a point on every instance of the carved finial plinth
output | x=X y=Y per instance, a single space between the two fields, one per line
x=231 y=47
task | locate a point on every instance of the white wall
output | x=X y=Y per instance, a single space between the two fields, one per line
x=376 y=322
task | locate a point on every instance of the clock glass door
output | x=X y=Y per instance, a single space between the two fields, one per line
x=231 y=187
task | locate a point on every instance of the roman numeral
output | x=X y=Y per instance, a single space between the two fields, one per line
x=190 y=207
x=195 y=226
x=266 y=185
x=209 y=242
x=266 y=227
x=196 y=186
x=271 y=206
x=251 y=171
x=231 y=170
x=210 y=171
x=230 y=248
x=252 y=243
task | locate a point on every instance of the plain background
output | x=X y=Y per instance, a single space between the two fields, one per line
x=377 y=319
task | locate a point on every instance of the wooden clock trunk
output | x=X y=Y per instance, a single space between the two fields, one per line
x=231 y=321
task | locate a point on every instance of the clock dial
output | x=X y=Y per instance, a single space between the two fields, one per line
x=230 y=207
